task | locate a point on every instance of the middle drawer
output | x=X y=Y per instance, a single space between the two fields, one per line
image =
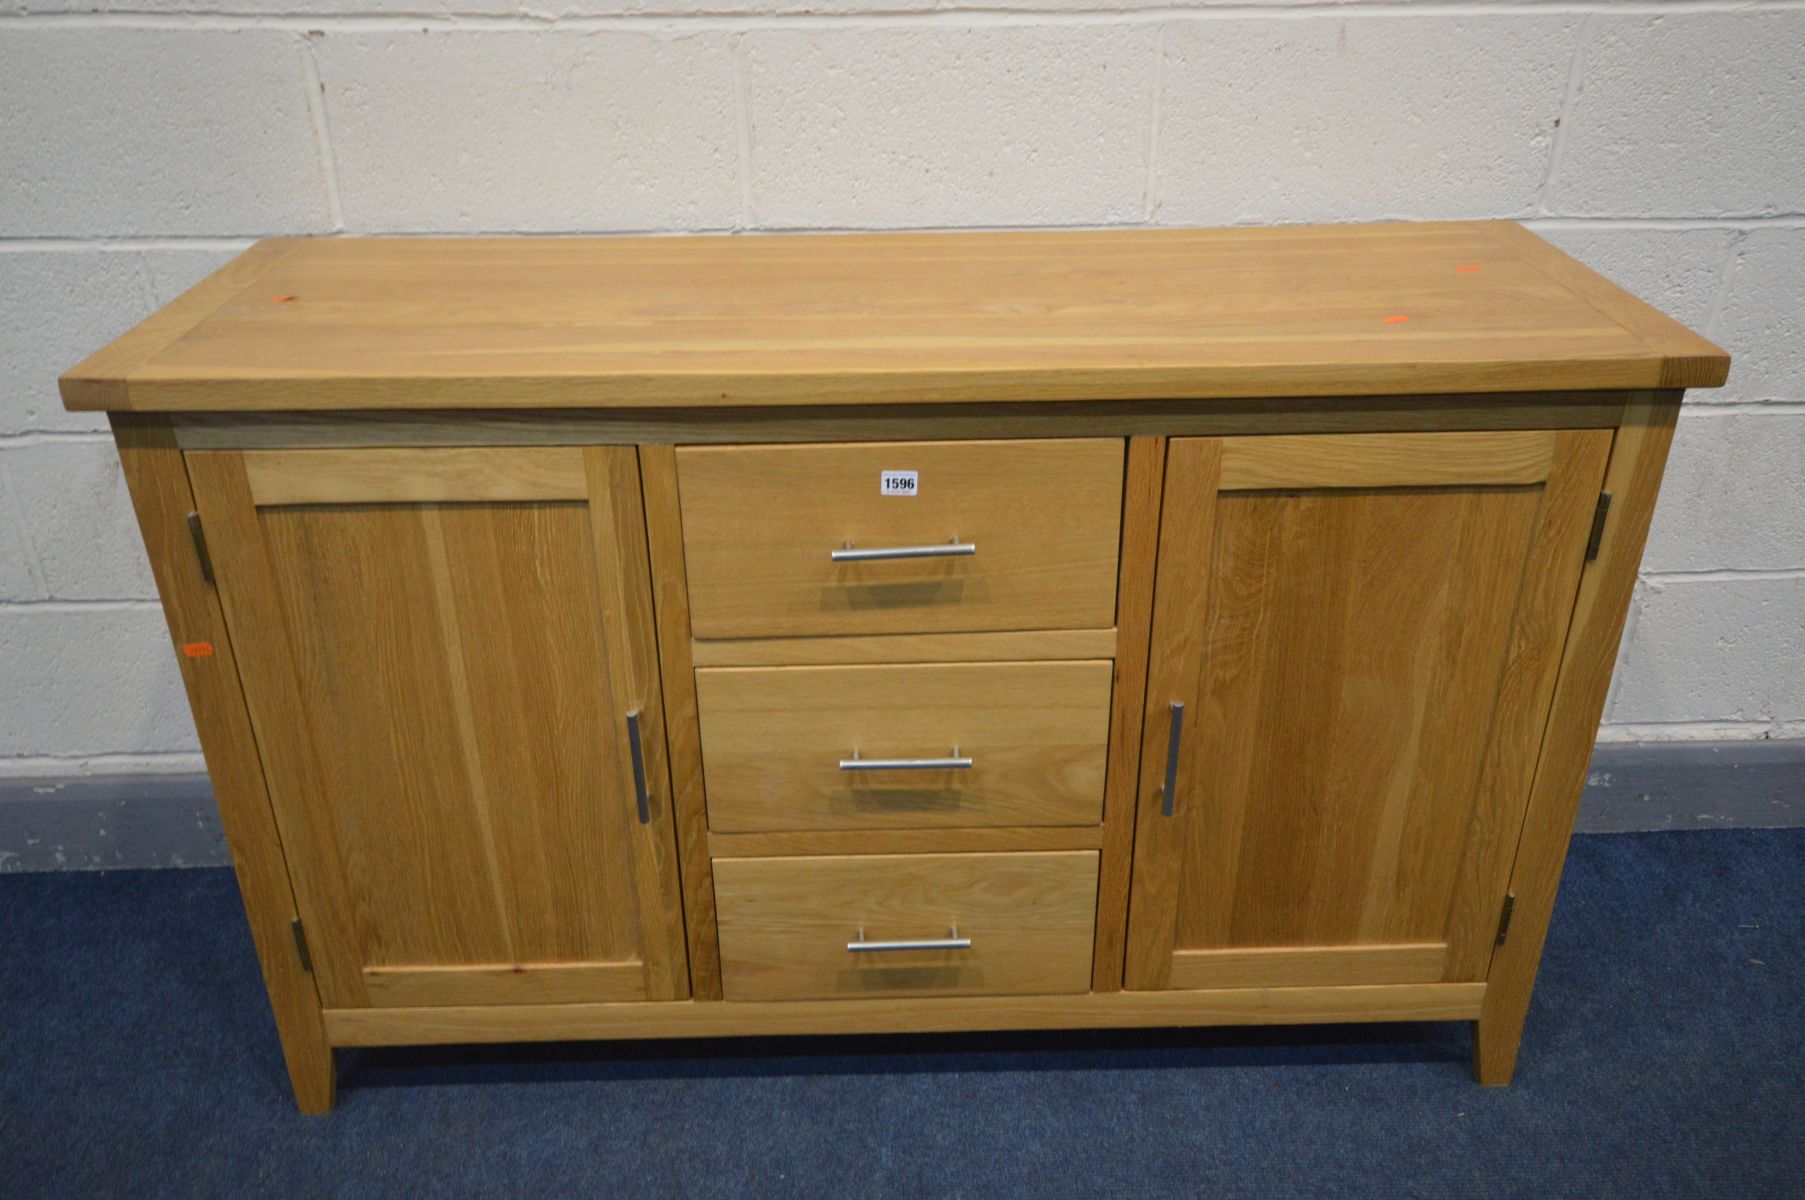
x=924 y=746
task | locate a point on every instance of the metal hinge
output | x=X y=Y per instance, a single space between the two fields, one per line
x=200 y=546
x=1598 y=516
x=1510 y=903
x=301 y=946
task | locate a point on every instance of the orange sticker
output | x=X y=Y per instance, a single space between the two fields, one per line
x=280 y=299
x=198 y=649
x=1396 y=320
x=1470 y=267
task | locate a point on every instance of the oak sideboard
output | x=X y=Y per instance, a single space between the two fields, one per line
x=654 y=637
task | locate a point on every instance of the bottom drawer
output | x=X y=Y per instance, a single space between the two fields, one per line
x=841 y=927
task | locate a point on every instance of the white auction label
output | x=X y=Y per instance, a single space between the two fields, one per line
x=897 y=483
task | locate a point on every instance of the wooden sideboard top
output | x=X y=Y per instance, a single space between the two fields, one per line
x=383 y=323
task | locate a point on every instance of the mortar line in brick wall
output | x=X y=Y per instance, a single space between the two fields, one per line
x=24 y=244
x=1725 y=277
x=77 y=607
x=125 y=244
x=1576 y=66
x=528 y=20
x=55 y=768
x=1700 y=404
x=322 y=132
x=742 y=126
x=1618 y=732
x=1155 y=101
x=1724 y=575
x=45 y=437
x=15 y=519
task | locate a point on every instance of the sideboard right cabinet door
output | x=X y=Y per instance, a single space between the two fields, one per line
x=1355 y=640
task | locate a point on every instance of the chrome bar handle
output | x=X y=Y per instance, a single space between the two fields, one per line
x=950 y=549
x=1169 y=792
x=639 y=768
x=952 y=762
x=952 y=941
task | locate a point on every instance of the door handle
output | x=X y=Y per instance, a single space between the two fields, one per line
x=950 y=942
x=952 y=762
x=952 y=549
x=1169 y=791
x=639 y=768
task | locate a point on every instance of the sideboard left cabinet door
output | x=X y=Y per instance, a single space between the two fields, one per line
x=1355 y=644
x=450 y=666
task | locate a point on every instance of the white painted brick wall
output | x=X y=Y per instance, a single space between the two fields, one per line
x=143 y=142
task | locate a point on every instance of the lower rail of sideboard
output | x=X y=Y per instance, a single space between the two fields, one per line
x=949 y=1014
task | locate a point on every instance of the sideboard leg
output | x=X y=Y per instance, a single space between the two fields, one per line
x=1495 y=1040
x=311 y=1071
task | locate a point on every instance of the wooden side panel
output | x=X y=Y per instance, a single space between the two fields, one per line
x=761 y=524
x=1134 y=621
x=774 y=740
x=1633 y=477
x=786 y=923
x=159 y=486
x=683 y=736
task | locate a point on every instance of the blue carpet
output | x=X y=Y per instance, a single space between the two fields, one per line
x=1665 y=1056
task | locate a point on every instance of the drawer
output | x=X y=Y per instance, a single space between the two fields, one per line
x=790 y=928
x=1014 y=743
x=1035 y=525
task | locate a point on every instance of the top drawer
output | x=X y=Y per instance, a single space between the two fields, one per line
x=1005 y=535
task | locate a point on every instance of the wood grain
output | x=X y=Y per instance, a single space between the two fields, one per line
x=1222 y=1006
x=1353 y=460
x=1638 y=455
x=1360 y=668
x=440 y=691
x=98 y=381
x=785 y=923
x=1309 y=966
x=1134 y=617
x=995 y=646
x=773 y=738
x=376 y=476
x=158 y=482
x=967 y=840
x=505 y=983
x=880 y=318
x=760 y=523
x=670 y=598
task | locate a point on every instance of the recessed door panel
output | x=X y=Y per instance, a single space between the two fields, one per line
x=1359 y=635
x=442 y=688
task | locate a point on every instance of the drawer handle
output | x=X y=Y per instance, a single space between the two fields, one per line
x=950 y=549
x=952 y=941
x=952 y=762
x=639 y=768
x=1169 y=792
